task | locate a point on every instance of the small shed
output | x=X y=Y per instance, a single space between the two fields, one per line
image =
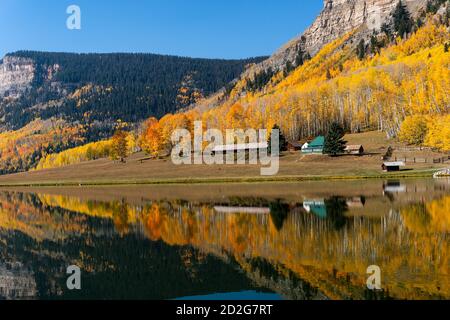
x=294 y=146
x=355 y=149
x=392 y=166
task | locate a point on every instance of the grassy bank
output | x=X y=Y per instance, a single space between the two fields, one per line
x=294 y=167
x=218 y=180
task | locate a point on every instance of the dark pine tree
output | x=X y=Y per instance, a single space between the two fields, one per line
x=386 y=29
x=402 y=19
x=374 y=44
x=282 y=140
x=334 y=142
x=288 y=68
x=361 y=49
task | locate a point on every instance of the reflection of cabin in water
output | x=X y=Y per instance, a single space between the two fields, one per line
x=319 y=207
x=316 y=206
x=393 y=187
x=247 y=210
x=356 y=202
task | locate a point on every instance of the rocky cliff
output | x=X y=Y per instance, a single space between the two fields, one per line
x=16 y=75
x=337 y=18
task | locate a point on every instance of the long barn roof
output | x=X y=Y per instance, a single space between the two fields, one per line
x=241 y=147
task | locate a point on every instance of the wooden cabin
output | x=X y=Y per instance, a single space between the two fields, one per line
x=314 y=147
x=294 y=146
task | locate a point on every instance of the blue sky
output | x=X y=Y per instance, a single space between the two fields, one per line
x=195 y=28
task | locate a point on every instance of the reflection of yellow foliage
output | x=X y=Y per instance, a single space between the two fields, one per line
x=439 y=211
x=20 y=214
x=153 y=222
x=414 y=241
x=91 y=208
x=312 y=250
x=428 y=217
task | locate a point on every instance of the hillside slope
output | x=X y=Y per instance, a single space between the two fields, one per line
x=88 y=94
x=103 y=88
x=337 y=18
x=366 y=79
x=293 y=167
x=375 y=86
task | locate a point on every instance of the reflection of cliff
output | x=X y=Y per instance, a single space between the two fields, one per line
x=16 y=282
x=279 y=279
x=330 y=255
x=430 y=217
x=113 y=267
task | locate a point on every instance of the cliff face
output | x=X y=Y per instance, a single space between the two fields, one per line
x=16 y=282
x=337 y=18
x=16 y=76
x=341 y=16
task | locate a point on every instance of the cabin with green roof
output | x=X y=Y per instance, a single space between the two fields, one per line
x=314 y=147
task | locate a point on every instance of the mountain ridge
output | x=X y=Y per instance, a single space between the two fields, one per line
x=337 y=18
x=363 y=18
x=144 y=84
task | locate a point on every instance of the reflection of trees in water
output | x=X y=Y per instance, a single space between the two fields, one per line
x=308 y=246
x=120 y=217
x=377 y=295
x=336 y=207
x=247 y=201
x=278 y=212
x=428 y=217
x=121 y=267
x=289 y=284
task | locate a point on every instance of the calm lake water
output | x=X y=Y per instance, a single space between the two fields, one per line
x=311 y=240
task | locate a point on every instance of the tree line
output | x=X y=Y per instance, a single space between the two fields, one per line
x=130 y=87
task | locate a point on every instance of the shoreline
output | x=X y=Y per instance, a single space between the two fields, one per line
x=225 y=180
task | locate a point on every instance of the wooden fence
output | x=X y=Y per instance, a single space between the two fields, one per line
x=421 y=160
